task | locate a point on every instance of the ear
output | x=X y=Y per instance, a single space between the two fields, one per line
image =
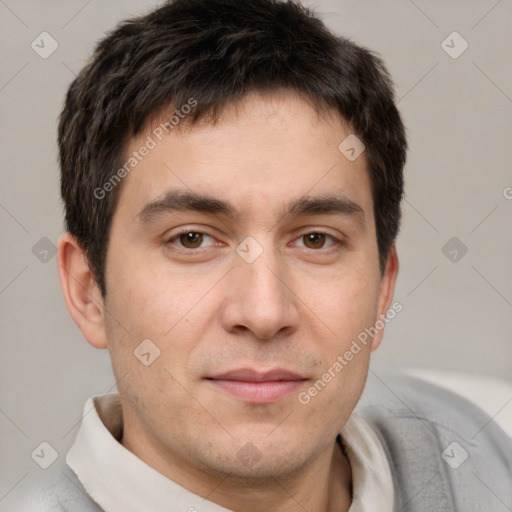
x=387 y=290
x=81 y=293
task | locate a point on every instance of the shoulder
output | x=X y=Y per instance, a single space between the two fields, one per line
x=65 y=493
x=441 y=447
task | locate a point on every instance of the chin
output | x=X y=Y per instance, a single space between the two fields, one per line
x=258 y=460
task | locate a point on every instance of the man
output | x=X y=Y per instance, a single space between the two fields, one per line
x=232 y=178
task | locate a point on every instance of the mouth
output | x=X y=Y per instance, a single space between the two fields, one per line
x=258 y=387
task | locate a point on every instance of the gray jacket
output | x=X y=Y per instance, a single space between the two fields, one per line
x=445 y=453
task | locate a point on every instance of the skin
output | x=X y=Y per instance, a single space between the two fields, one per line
x=298 y=306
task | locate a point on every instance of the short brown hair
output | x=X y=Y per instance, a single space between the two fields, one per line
x=216 y=52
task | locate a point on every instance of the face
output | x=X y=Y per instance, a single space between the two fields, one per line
x=250 y=290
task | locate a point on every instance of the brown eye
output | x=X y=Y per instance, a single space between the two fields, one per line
x=191 y=243
x=191 y=240
x=314 y=240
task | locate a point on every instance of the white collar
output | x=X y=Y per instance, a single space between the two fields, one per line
x=372 y=484
x=121 y=482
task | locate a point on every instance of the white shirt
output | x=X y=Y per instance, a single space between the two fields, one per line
x=121 y=482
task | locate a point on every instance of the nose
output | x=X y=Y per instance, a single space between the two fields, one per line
x=260 y=298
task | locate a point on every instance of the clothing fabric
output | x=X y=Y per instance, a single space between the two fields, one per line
x=412 y=447
x=445 y=453
x=117 y=481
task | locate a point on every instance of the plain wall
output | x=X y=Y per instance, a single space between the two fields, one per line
x=457 y=315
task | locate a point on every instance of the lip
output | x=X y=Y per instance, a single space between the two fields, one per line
x=258 y=387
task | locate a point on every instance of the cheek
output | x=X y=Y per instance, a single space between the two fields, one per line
x=347 y=304
x=148 y=297
x=168 y=309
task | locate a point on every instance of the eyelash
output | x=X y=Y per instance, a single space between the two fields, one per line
x=336 y=241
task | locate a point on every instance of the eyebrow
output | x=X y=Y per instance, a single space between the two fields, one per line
x=183 y=200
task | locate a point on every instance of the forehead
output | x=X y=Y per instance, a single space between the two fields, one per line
x=268 y=149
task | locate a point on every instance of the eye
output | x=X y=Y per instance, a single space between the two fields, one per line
x=189 y=239
x=317 y=240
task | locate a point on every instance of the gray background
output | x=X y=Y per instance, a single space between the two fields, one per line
x=456 y=314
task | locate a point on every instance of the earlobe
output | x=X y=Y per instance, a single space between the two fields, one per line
x=387 y=291
x=81 y=293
